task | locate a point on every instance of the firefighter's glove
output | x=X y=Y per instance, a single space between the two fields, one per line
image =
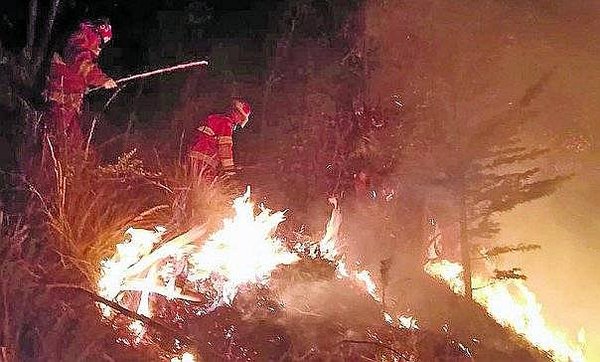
x=110 y=84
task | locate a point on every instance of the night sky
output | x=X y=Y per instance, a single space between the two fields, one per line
x=135 y=22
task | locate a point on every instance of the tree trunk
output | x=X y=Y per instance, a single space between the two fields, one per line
x=28 y=51
x=43 y=46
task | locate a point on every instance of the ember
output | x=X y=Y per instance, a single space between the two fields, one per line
x=186 y=357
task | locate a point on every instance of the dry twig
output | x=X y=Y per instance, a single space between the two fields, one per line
x=126 y=312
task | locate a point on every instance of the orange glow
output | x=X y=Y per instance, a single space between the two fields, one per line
x=246 y=251
x=243 y=251
x=513 y=305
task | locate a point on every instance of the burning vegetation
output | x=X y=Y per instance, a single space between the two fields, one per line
x=388 y=146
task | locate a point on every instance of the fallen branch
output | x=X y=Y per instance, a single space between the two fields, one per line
x=175 y=334
x=126 y=312
x=140 y=285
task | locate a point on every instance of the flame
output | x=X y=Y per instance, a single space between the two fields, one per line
x=243 y=251
x=186 y=357
x=365 y=277
x=138 y=243
x=408 y=322
x=329 y=249
x=329 y=244
x=404 y=321
x=513 y=305
x=448 y=272
x=388 y=318
x=581 y=337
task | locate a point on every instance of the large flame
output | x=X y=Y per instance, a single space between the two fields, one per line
x=243 y=251
x=512 y=304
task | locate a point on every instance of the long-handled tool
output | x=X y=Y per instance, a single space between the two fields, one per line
x=156 y=72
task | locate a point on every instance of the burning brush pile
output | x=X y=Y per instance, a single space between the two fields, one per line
x=244 y=293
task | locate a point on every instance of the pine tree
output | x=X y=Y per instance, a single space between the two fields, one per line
x=493 y=173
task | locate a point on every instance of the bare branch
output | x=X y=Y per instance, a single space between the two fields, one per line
x=126 y=312
x=47 y=34
x=514 y=273
x=497 y=250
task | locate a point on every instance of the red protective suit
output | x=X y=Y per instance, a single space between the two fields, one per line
x=69 y=79
x=212 y=150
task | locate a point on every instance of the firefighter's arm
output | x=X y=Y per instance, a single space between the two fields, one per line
x=93 y=75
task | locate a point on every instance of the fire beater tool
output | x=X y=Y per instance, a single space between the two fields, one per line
x=156 y=72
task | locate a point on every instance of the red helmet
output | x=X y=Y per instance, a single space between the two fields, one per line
x=244 y=109
x=90 y=36
x=104 y=29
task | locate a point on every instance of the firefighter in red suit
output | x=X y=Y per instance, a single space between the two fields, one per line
x=212 y=150
x=71 y=76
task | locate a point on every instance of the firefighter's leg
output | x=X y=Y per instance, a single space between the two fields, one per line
x=203 y=167
x=196 y=168
x=74 y=134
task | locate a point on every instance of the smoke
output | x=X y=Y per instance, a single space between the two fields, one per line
x=462 y=62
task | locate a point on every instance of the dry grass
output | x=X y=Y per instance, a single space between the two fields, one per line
x=92 y=205
x=77 y=212
x=37 y=323
x=87 y=206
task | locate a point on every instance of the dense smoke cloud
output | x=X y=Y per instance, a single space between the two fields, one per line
x=461 y=63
